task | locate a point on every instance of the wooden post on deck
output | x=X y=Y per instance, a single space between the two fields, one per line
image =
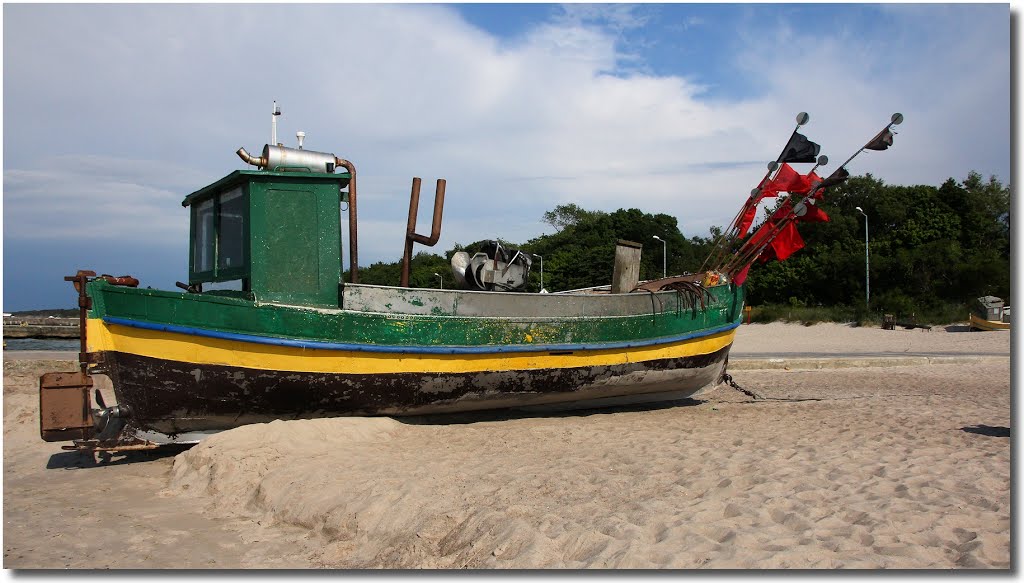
x=626 y=273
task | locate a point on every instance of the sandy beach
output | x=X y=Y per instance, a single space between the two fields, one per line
x=851 y=467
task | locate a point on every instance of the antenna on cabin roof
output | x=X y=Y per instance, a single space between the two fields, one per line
x=273 y=123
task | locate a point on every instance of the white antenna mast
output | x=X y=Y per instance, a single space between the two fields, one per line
x=273 y=124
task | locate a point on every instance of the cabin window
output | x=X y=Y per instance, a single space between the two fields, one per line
x=202 y=259
x=231 y=231
x=220 y=229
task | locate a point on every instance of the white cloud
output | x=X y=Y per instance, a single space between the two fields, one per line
x=616 y=17
x=95 y=197
x=947 y=71
x=403 y=90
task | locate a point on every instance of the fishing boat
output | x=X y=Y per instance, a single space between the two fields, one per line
x=990 y=314
x=265 y=328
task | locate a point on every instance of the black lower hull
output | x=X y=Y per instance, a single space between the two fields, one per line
x=173 y=397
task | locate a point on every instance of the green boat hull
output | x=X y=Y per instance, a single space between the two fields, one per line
x=184 y=363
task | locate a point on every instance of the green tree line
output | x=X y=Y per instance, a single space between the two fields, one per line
x=932 y=249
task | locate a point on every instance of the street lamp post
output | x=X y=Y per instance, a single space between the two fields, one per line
x=440 y=278
x=541 y=257
x=867 y=264
x=664 y=257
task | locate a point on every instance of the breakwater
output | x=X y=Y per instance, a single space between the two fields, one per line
x=28 y=327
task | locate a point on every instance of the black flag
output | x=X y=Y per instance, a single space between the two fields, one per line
x=881 y=142
x=800 y=149
x=836 y=177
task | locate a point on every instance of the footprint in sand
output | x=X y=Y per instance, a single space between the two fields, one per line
x=963 y=535
x=856 y=517
x=731 y=511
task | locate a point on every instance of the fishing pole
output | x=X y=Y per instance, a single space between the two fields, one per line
x=801 y=119
x=821 y=161
x=721 y=248
x=748 y=255
x=895 y=120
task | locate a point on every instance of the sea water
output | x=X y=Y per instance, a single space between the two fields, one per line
x=58 y=344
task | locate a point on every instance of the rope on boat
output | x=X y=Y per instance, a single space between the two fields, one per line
x=688 y=294
x=654 y=310
x=727 y=379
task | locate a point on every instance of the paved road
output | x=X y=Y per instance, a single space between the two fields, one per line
x=740 y=355
x=734 y=355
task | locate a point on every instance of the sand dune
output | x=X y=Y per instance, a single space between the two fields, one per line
x=899 y=467
x=877 y=471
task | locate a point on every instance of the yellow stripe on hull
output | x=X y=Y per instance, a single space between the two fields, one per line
x=216 y=351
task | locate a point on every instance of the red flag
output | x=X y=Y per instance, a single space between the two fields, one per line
x=747 y=218
x=749 y=213
x=741 y=276
x=814 y=214
x=789 y=180
x=783 y=211
x=759 y=237
x=811 y=179
x=786 y=180
x=787 y=242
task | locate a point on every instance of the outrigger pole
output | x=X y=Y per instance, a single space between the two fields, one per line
x=879 y=140
x=758 y=242
x=720 y=246
x=822 y=161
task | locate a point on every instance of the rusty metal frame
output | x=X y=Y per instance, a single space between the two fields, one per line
x=94 y=445
x=80 y=280
x=65 y=398
x=410 y=230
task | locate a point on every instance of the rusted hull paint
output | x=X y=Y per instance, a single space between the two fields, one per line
x=174 y=397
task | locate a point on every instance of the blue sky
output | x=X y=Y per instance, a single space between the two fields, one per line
x=114 y=112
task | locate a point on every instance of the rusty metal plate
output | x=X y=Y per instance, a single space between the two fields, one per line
x=65 y=406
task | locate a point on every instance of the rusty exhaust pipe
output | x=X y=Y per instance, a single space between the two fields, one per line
x=258 y=161
x=353 y=228
x=410 y=230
